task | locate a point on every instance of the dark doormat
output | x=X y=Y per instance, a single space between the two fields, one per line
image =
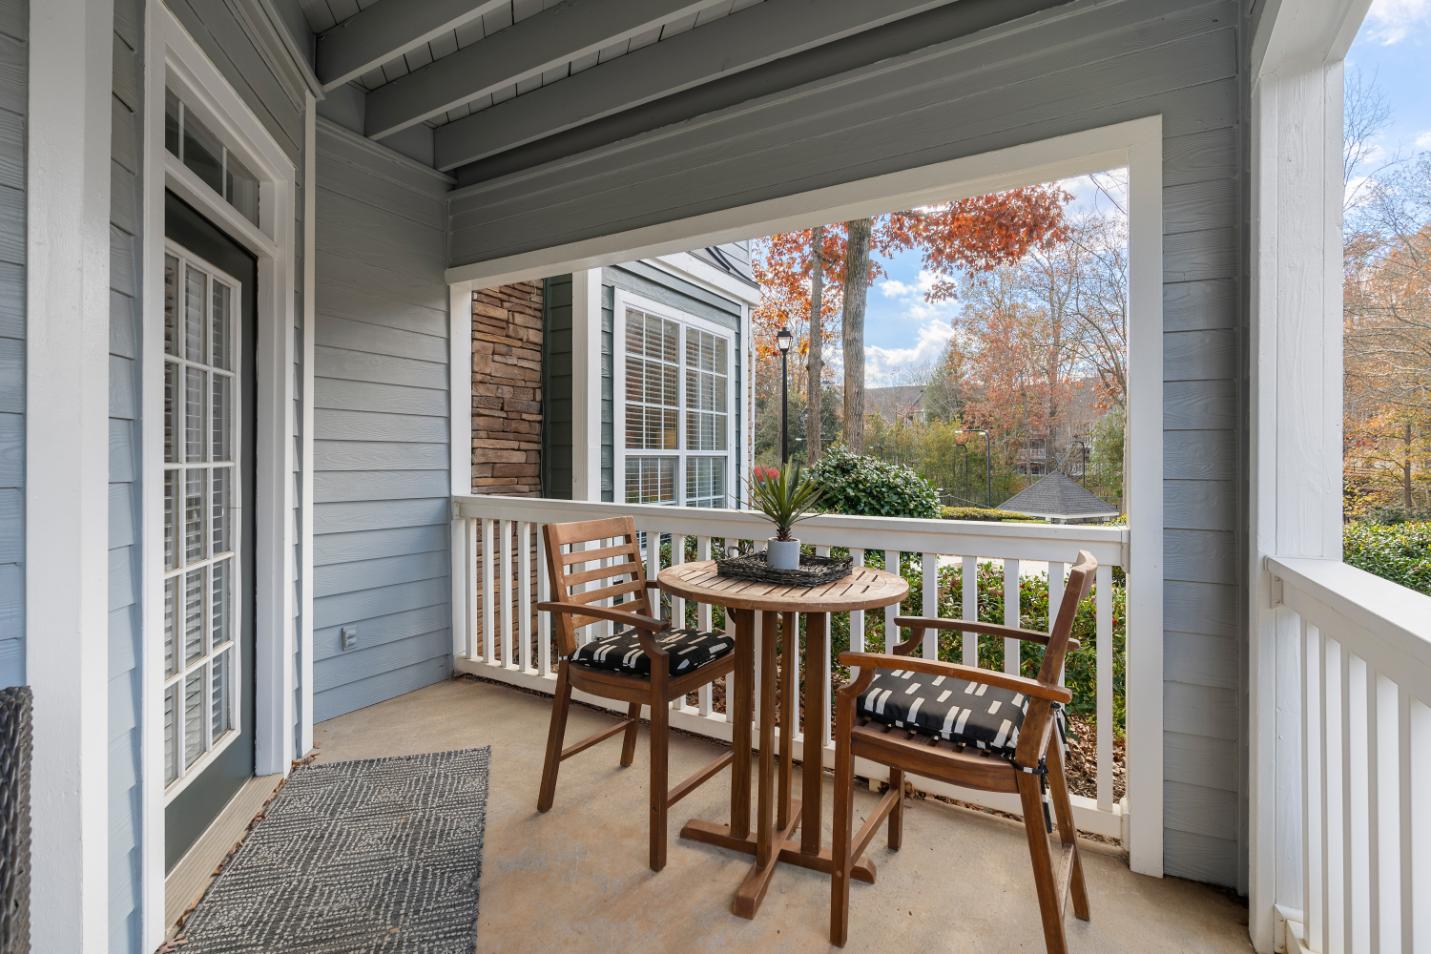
x=380 y=855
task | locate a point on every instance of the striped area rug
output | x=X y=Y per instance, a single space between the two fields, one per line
x=380 y=855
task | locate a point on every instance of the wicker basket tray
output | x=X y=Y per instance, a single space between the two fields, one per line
x=813 y=571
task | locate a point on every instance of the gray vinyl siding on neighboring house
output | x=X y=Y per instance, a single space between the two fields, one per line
x=14 y=93
x=126 y=322
x=1075 y=67
x=382 y=504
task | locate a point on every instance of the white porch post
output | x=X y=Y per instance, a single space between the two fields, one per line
x=67 y=469
x=1296 y=395
x=586 y=384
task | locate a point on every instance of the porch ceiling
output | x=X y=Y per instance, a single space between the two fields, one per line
x=492 y=78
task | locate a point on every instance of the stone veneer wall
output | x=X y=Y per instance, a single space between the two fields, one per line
x=507 y=390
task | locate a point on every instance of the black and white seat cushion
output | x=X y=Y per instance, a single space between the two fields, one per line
x=946 y=707
x=688 y=650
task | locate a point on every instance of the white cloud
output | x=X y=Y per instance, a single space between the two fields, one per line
x=1423 y=141
x=894 y=288
x=1391 y=21
x=885 y=366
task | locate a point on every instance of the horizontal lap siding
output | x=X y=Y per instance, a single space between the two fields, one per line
x=380 y=421
x=1079 y=66
x=14 y=62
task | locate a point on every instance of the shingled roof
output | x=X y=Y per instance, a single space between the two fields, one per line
x=1059 y=497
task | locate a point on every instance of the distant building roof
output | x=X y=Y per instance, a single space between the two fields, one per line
x=1059 y=497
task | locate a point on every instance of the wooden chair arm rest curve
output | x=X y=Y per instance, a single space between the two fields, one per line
x=642 y=623
x=868 y=662
x=919 y=623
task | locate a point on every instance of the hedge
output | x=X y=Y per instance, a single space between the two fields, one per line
x=1399 y=552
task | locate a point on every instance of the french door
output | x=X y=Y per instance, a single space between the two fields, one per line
x=210 y=286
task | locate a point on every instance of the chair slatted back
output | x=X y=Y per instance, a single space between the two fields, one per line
x=1080 y=580
x=594 y=562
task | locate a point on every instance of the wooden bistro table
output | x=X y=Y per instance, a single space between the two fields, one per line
x=777 y=815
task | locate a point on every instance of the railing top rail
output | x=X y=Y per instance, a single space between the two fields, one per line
x=1383 y=622
x=1027 y=541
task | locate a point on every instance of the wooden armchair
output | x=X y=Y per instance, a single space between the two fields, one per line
x=642 y=662
x=972 y=727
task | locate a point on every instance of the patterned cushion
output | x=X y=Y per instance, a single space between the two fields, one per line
x=688 y=650
x=946 y=707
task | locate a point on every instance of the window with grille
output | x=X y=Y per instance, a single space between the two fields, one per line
x=678 y=392
x=201 y=658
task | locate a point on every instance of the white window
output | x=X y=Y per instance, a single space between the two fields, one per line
x=199 y=149
x=675 y=430
x=201 y=493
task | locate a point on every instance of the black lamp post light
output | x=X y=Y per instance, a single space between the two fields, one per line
x=783 y=340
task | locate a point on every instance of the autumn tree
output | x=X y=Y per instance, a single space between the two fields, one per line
x=953 y=239
x=815 y=366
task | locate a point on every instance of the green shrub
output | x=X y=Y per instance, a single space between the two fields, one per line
x=867 y=486
x=986 y=514
x=1398 y=552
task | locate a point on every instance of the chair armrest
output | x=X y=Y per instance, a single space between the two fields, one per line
x=937 y=667
x=643 y=623
x=918 y=623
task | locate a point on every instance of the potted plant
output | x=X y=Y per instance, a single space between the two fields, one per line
x=786 y=496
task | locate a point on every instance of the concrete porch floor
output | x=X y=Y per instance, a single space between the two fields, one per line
x=576 y=879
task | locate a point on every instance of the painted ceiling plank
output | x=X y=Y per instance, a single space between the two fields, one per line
x=740 y=41
x=541 y=42
x=387 y=30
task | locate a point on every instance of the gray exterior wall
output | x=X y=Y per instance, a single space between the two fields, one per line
x=381 y=477
x=14 y=95
x=1079 y=66
x=638 y=278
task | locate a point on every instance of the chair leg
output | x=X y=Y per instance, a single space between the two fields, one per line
x=660 y=742
x=896 y=814
x=1068 y=834
x=561 y=703
x=628 y=743
x=1042 y=858
x=844 y=824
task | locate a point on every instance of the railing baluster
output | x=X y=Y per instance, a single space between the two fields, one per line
x=489 y=634
x=1416 y=847
x=1011 y=614
x=970 y=641
x=524 y=593
x=471 y=590
x=678 y=607
x=857 y=617
x=1338 y=832
x=1103 y=615
x=930 y=586
x=505 y=589
x=1312 y=873
x=1358 y=812
x=1390 y=835
x=544 y=620
x=891 y=634
x=703 y=621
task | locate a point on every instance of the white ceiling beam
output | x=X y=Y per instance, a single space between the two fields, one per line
x=542 y=42
x=386 y=30
x=744 y=40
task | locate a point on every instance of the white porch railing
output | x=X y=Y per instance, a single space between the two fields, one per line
x=497 y=549
x=1357 y=650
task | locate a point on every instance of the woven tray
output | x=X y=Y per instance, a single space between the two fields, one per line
x=813 y=571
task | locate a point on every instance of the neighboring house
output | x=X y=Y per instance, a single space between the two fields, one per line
x=897 y=404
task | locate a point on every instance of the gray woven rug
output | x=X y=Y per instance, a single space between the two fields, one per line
x=379 y=855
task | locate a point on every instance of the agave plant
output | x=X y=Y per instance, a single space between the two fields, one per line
x=786 y=496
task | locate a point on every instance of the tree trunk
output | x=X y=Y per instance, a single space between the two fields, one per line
x=857 y=284
x=1406 y=497
x=816 y=360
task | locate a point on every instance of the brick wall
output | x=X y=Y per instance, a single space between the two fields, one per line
x=507 y=389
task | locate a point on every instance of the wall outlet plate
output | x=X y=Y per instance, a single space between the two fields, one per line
x=348 y=637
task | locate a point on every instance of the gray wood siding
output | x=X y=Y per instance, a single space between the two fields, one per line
x=1078 y=66
x=381 y=479
x=126 y=322
x=14 y=93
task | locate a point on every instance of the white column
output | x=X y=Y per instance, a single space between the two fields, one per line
x=586 y=384
x=459 y=390
x=67 y=469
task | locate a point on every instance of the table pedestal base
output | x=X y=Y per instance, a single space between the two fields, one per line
x=752 y=890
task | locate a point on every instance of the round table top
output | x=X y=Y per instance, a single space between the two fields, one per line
x=865 y=588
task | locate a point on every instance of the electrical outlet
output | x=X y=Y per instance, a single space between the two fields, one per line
x=348 y=637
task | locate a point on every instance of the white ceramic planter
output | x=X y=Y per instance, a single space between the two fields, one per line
x=782 y=554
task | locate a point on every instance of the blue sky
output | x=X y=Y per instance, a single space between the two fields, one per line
x=905 y=335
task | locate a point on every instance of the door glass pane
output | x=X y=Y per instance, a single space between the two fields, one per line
x=194 y=494
x=196 y=292
x=241 y=188
x=171 y=626
x=171 y=305
x=219 y=429
x=194 y=614
x=220 y=606
x=171 y=520
x=171 y=411
x=223 y=296
x=222 y=720
x=203 y=153
x=171 y=734
x=219 y=506
x=196 y=383
x=193 y=716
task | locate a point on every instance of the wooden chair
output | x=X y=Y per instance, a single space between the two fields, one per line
x=642 y=662
x=971 y=727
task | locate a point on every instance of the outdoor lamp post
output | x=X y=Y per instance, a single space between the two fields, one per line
x=1082 y=458
x=988 y=465
x=783 y=340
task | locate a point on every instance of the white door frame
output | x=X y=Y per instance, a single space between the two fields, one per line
x=1137 y=144
x=173 y=59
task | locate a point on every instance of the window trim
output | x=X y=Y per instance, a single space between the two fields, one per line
x=622 y=301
